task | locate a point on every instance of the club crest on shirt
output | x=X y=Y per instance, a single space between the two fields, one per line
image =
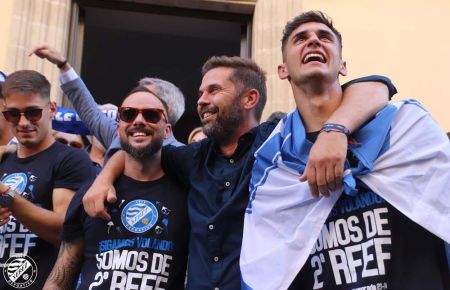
x=17 y=181
x=20 y=271
x=139 y=216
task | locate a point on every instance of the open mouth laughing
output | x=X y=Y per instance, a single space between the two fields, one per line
x=314 y=56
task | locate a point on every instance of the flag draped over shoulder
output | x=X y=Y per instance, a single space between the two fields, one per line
x=403 y=156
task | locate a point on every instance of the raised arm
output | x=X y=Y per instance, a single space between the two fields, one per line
x=100 y=125
x=102 y=189
x=67 y=266
x=362 y=99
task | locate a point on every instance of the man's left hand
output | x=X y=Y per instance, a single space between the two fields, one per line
x=325 y=167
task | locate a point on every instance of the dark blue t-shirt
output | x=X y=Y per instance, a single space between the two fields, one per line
x=144 y=245
x=366 y=243
x=35 y=178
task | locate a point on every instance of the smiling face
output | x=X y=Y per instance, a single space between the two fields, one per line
x=33 y=135
x=312 y=51
x=218 y=105
x=139 y=138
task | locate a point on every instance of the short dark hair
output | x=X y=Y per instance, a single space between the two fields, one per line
x=246 y=75
x=147 y=90
x=26 y=81
x=276 y=116
x=309 y=16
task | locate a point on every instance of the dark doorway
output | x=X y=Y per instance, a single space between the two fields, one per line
x=122 y=46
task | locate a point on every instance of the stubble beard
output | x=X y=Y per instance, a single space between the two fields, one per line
x=226 y=124
x=142 y=153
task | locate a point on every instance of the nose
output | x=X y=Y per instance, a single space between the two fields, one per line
x=139 y=118
x=23 y=121
x=203 y=99
x=313 y=40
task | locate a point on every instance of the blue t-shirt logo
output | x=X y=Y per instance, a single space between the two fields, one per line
x=139 y=216
x=17 y=181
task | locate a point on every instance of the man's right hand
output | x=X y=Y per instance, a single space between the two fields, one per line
x=94 y=199
x=5 y=215
x=47 y=52
x=102 y=189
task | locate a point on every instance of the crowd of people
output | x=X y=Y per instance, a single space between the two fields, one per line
x=347 y=191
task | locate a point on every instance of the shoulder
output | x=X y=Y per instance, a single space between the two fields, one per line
x=264 y=130
x=71 y=162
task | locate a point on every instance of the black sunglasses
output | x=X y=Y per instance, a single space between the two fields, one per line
x=151 y=115
x=32 y=115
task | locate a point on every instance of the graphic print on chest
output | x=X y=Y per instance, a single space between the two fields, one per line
x=22 y=183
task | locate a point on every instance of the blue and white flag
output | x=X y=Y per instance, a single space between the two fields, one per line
x=68 y=121
x=403 y=156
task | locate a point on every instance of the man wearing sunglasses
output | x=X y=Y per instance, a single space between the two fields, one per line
x=37 y=183
x=144 y=245
x=103 y=128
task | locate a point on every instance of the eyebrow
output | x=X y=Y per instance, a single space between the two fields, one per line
x=319 y=32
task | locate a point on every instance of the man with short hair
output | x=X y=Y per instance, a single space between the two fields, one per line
x=217 y=170
x=102 y=127
x=144 y=245
x=386 y=230
x=37 y=183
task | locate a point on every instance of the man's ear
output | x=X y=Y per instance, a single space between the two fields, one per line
x=53 y=109
x=343 y=68
x=251 y=99
x=282 y=71
x=167 y=130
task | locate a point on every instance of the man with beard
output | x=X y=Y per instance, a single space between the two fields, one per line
x=232 y=96
x=144 y=245
x=100 y=125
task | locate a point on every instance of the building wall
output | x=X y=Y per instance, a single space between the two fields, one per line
x=405 y=40
x=27 y=23
x=6 y=14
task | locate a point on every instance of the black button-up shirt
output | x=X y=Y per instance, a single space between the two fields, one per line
x=217 y=200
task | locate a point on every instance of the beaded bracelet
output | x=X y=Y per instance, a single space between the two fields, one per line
x=330 y=127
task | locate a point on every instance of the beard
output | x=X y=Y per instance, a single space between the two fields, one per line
x=226 y=123
x=142 y=153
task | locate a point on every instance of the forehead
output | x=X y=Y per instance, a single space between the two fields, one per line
x=218 y=75
x=311 y=27
x=24 y=100
x=142 y=100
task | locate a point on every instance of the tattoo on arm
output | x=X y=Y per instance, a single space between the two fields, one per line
x=67 y=266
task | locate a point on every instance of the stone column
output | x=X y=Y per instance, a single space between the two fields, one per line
x=35 y=22
x=268 y=23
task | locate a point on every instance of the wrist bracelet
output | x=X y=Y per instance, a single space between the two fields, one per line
x=60 y=65
x=330 y=127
